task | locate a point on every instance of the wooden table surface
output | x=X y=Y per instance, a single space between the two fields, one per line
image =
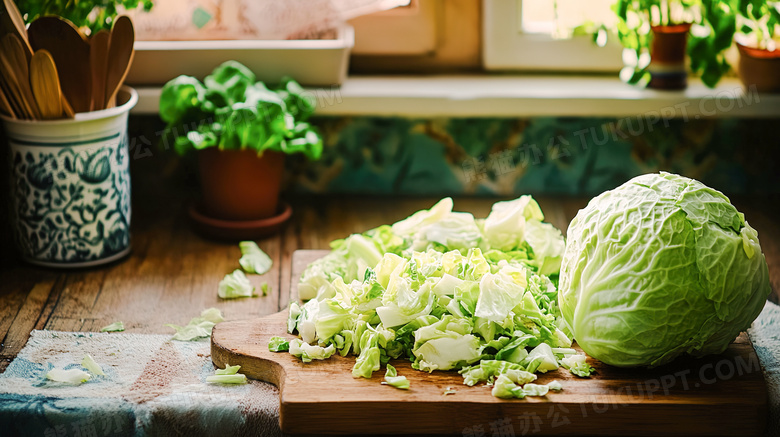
x=172 y=273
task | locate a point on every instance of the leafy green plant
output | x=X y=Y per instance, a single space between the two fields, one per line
x=94 y=14
x=713 y=22
x=660 y=266
x=230 y=110
x=711 y=38
x=760 y=20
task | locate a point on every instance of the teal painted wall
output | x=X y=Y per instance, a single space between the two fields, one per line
x=503 y=156
x=478 y=156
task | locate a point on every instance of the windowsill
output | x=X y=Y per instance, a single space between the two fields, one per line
x=522 y=96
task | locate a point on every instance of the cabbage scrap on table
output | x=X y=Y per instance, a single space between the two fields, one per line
x=445 y=291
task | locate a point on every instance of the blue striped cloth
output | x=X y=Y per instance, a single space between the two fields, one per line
x=152 y=386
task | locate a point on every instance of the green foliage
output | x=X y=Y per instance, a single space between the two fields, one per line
x=230 y=110
x=660 y=266
x=759 y=18
x=95 y=14
x=707 y=51
x=714 y=23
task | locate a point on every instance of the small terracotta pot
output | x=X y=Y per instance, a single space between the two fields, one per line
x=667 y=57
x=239 y=185
x=759 y=68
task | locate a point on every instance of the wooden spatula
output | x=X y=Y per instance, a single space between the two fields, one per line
x=10 y=96
x=98 y=55
x=46 y=84
x=11 y=21
x=120 y=56
x=5 y=105
x=12 y=86
x=15 y=51
x=66 y=108
x=70 y=50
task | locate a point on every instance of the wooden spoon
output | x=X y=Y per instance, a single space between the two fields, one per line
x=98 y=59
x=70 y=50
x=5 y=105
x=10 y=96
x=15 y=51
x=11 y=21
x=46 y=84
x=66 y=108
x=9 y=89
x=11 y=82
x=120 y=56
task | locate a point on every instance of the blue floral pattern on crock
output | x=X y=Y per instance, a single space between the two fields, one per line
x=72 y=204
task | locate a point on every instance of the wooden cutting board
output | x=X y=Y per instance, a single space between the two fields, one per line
x=720 y=395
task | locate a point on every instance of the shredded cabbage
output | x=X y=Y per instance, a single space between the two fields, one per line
x=89 y=363
x=228 y=375
x=70 y=376
x=253 y=259
x=114 y=327
x=198 y=327
x=235 y=285
x=307 y=352
x=278 y=344
x=228 y=370
x=445 y=291
x=392 y=379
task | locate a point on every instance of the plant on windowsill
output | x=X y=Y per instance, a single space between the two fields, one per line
x=759 y=55
x=240 y=131
x=659 y=34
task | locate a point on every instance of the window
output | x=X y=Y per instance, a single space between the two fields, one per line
x=525 y=35
x=559 y=17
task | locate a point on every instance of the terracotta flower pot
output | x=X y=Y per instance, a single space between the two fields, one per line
x=667 y=57
x=759 y=68
x=239 y=185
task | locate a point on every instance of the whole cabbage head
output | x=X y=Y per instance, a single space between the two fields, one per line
x=660 y=266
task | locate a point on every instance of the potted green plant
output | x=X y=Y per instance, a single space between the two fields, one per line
x=712 y=36
x=759 y=57
x=69 y=167
x=658 y=34
x=240 y=131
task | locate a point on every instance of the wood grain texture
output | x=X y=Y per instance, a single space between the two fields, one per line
x=723 y=395
x=24 y=301
x=170 y=278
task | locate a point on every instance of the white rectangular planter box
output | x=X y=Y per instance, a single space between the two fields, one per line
x=310 y=62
